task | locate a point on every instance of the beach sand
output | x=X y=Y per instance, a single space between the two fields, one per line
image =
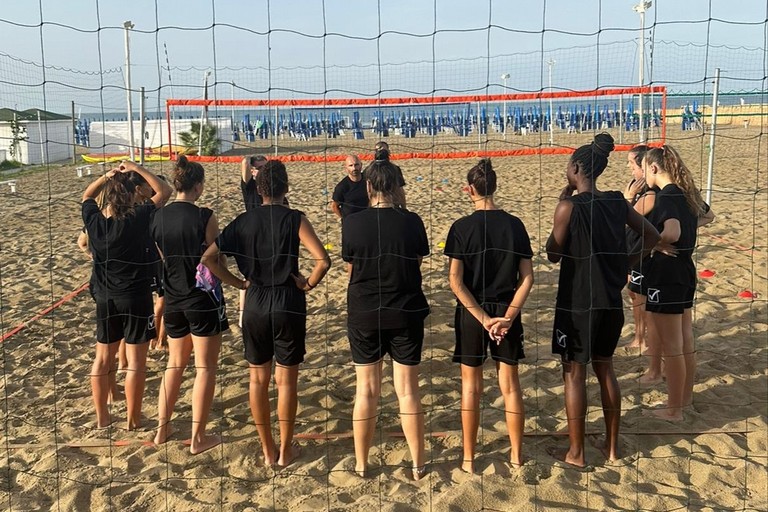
x=53 y=458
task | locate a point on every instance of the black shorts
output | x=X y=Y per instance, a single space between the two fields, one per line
x=671 y=299
x=129 y=318
x=275 y=325
x=403 y=344
x=206 y=317
x=473 y=341
x=579 y=336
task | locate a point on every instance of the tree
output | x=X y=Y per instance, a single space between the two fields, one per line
x=18 y=134
x=191 y=139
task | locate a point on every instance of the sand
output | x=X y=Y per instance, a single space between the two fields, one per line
x=53 y=458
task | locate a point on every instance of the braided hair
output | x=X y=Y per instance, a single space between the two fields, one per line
x=668 y=160
x=272 y=180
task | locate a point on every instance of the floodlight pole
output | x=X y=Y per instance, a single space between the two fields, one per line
x=712 y=130
x=203 y=115
x=551 y=63
x=142 y=126
x=640 y=8
x=504 y=77
x=127 y=26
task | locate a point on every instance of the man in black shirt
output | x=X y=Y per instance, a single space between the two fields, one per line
x=588 y=237
x=350 y=195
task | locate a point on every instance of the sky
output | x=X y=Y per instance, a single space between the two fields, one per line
x=345 y=48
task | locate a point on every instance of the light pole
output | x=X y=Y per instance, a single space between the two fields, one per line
x=128 y=26
x=203 y=114
x=551 y=63
x=504 y=77
x=640 y=8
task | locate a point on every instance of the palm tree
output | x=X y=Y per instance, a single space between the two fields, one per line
x=191 y=139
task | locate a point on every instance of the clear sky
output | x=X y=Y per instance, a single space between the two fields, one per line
x=331 y=35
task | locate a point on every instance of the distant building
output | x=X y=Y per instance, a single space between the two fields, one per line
x=49 y=136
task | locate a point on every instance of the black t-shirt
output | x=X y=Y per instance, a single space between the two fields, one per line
x=491 y=244
x=351 y=196
x=635 y=239
x=179 y=231
x=119 y=251
x=265 y=244
x=593 y=268
x=671 y=204
x=384 y=246
x=251 y=197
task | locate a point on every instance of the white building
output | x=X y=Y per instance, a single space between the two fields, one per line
x=48 y=138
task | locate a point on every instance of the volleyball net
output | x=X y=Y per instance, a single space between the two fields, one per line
x=444 y=84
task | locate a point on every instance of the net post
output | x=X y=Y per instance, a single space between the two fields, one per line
x=168 y=122
x=621 y=119
x=276 y=130
x=712 y=131
x=128 y=26
x=142 y=126
x=74 y=139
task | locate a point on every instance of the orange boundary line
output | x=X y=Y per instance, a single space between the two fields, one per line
x=44 y=312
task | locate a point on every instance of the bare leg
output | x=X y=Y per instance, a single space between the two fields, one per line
x=610 y=396
x=179 y=350
x=206 y=364
x=638 y=312
x=471 y=389
x=115 y=393
x=240 y=310
x=574 y=377
x=122 y=364
x=286 y=378
x=134 y=382
x=100 y=380
x=364 y=414
x=514 y=413
x=406 y=380
x=259 y=402
x=689 y=352
x=654 y=373
x=670 y=331
x=160 y=341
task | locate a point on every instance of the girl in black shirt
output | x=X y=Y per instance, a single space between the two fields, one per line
x=491 y=275
x=121 y=286
x=265 y=243
x=384 y=245
x=588 y=236
x=194 y=318
x=670 y=282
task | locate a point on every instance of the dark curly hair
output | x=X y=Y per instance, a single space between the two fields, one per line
x=382 y=176
x=272 y=180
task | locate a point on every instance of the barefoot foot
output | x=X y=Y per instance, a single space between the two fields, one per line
x=164 y=432
x=664 y=413
x=419 y=472
x=468 y=466
x=565 y=458
x=204 y=443
x=288 y=455
x=649 y=379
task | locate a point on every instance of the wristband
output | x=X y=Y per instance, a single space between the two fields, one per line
x=311 y=287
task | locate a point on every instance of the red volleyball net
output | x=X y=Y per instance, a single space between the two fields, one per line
x=425 y=127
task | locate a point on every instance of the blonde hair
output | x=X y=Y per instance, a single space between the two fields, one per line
x=668 y=160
